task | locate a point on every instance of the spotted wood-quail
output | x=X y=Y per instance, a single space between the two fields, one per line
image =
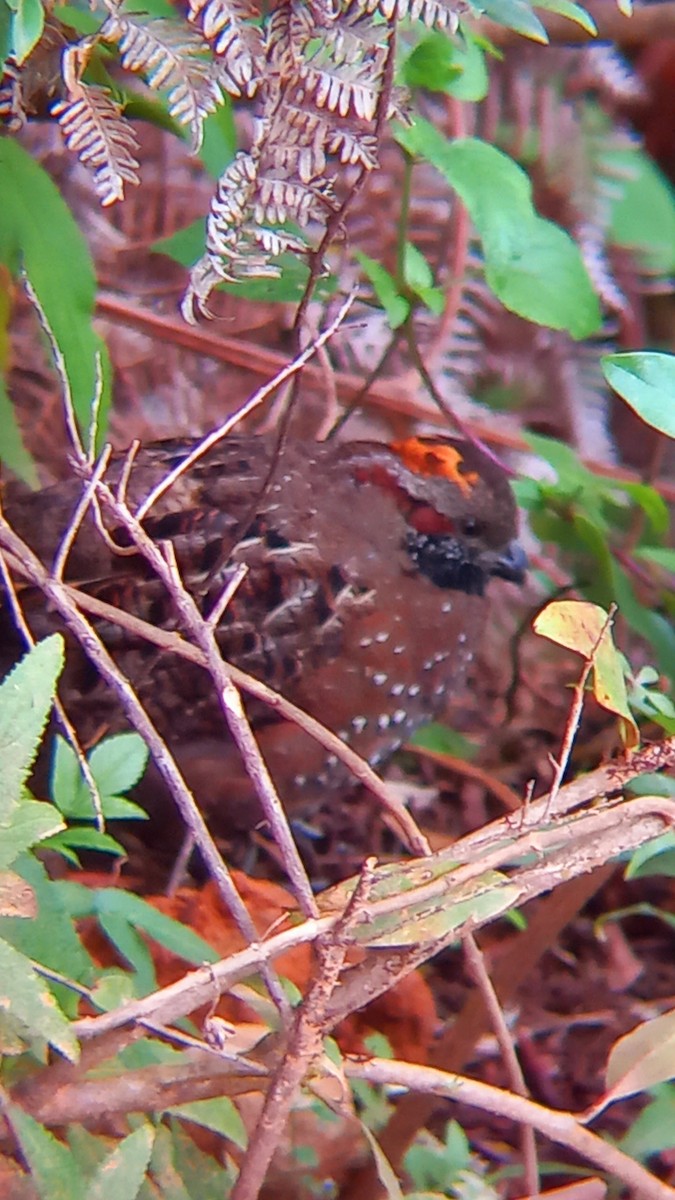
x=363 y=601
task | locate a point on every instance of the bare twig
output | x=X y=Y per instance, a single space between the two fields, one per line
x=562 y=1127
x=58 y=596
x=481 y=978
x=254 y=401
x=395 y=812
x=576 y=708
x=304 y=1043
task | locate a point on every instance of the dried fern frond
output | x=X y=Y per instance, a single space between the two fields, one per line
x=168 y=57
x=95 y=130
x=12 y=108
x=435 y=14
x=230 y=26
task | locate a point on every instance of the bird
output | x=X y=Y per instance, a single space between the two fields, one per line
x=363 y=602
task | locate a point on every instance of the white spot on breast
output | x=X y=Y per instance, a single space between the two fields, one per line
x=379 y=678
x=461 y=638
x=397 y=689
x=414 y=689
x=399 y=649
x=399 y=716
x=331 y=760
x=300 y=780
x=365 y=642
x=344 y=734
x=382 y=637
x=439 y=690
x=447 y=607
x=359 y=723
x=383 y=721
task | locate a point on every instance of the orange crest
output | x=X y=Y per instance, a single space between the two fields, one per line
x=435 y=459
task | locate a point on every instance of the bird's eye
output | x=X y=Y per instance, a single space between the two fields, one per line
x=471 y=527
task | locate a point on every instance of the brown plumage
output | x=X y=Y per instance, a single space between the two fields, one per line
x=363 y=602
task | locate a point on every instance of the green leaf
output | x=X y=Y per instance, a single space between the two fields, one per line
x=532 y=265
x=14 y=453
x=220 y=139
x=121 y=1174
x=26 y=697
x=431 y=64
x=515 y=14
x=118 y=762
x=219 y=1115
x=473 y=83
x=584 y=628
x=394 y=304
x=50 y=939
x=177 y=938
x=443 y=740
x=83 y=837
x=663 y=556
x=30 y=822
x=26 y=996
x=53 y=1169
x=656 y=857
x=652 y=1130
x=643 y=213
x=27 y=26
x=39 y=234
x=568 y=9
x=646 y=381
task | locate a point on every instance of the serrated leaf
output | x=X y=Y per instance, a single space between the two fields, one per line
x=53 y=1168
x=26 y=697
x=39 y=234
x=121 y=1174
x=578 y=626
x=118 y=762
x=17 y=898
x=646 y=381
x=532 y=265
x=50 y=938
x=27 y=996
x=30 y=822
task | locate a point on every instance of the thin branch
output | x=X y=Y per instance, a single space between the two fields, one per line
x=479 y=973
x=561 y=1127
x=395 y=814
x=304 y=1043
x=95 y=650
x=254 y=401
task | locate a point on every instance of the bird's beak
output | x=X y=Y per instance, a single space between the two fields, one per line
x=511 y=565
